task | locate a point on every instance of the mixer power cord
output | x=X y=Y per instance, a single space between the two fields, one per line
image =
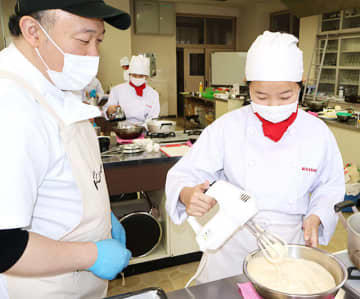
x=199 y=269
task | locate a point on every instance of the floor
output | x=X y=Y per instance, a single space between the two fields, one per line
x=174 y=278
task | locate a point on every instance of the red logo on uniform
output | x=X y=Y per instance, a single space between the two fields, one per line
x=308 y=169
x=148 y=106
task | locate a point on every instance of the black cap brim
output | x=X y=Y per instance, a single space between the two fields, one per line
x=99 y=10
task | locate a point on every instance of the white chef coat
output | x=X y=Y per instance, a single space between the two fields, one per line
x=38 y=191
x=281 y=176
x=137 y=109
x=94 y=84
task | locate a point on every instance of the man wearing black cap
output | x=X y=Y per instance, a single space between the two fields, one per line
x=58 y=236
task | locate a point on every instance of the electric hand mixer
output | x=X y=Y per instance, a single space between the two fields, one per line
x=236 y=208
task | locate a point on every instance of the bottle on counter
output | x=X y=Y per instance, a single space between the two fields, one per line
x=201 y=88
x=341 y=91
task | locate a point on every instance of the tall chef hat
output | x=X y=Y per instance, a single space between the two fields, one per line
x=140 y=65
x=274 y=56
x=124 y=61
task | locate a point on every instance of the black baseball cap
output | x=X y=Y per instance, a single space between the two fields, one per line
x=84 y=8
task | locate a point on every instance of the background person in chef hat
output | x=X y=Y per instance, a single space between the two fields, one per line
x=272 y=150
x=124 y=63
x=139 y=101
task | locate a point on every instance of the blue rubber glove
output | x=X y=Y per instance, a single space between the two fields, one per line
x=117 y=230
x=112 y=258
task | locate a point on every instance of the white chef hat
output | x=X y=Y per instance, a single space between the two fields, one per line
x=274 y=56
x=124 y=61
x=140 y=65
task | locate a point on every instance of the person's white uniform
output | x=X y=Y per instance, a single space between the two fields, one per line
x=39 y=190
x=280 y=175
x=138 y=109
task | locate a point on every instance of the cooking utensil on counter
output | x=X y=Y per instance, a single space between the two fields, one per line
x=327 y=260
x=352 y=226
x=344 y=116
x=352 y=98
x=127 y=130
x=119 y=115
x=316 y=106
x=131 y=148
x=160 y=126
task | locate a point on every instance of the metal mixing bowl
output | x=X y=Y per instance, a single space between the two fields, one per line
x=126 y=130
x=327 y=260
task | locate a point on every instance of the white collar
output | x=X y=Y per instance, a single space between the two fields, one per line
x=68 y=105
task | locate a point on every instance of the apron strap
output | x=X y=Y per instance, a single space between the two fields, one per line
x=36 y=94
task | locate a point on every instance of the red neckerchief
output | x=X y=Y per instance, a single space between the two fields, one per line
x=275 y=131
x=139 y=89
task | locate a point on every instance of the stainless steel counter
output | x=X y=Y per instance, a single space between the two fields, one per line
x=126 y=173
x=352 y=287
x=224 y=288
x=121 y=159
x=227 y=288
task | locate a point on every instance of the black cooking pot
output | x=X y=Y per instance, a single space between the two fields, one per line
x=316 y=106
x=352 y=99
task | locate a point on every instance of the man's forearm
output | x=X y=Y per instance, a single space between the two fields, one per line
x=46 y=257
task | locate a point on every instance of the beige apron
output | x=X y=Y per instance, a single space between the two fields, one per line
x=81 y=147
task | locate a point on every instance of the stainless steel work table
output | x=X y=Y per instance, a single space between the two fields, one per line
x=126 y=173
x=227 y=288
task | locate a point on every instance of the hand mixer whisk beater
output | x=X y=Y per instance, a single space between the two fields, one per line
x=273 y=247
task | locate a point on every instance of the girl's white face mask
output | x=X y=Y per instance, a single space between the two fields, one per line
x=137 y=81
x=275 y=114
x=78 y=71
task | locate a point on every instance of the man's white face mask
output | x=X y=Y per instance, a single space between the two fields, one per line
x=78 y=71
x=137 y=81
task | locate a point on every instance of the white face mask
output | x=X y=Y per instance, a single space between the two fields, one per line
x=126 y=76
x=275 y=114
x=137 y=81
x=78 y=71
